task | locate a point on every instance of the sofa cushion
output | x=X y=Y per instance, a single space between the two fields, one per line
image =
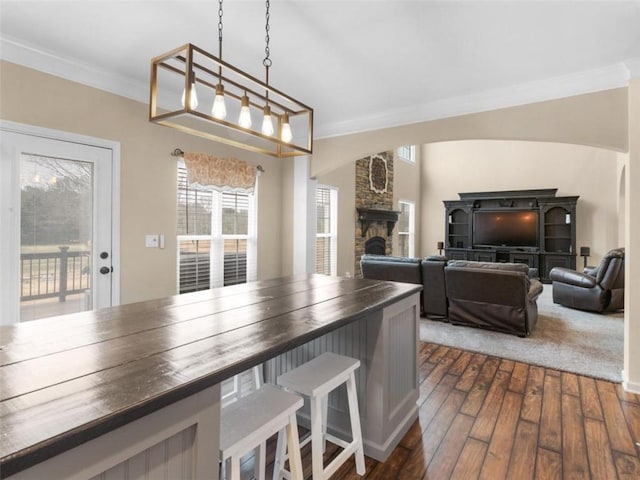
x=571 y=277
x=388 y=258
x=436 y=258
x=396 y=269
x=489 y=285
x=511 y=267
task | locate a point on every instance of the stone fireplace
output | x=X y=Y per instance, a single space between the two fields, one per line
x=375 y=216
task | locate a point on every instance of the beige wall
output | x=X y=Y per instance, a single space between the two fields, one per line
x=487 y=165
x=148 y=172
x=597 y=119
x=406 y=186
x=286 y=233
x=631 y=374
x=344 y=179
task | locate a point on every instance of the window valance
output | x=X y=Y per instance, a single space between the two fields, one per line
x=221 y=174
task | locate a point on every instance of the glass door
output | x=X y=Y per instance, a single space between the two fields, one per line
x=56 y=234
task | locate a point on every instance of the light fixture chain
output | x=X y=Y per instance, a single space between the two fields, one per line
x=267 y=61
x=220 y=27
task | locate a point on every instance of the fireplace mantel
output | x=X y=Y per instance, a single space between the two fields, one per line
x=367 y=216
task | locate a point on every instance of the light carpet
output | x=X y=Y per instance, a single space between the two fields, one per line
x=586 y=343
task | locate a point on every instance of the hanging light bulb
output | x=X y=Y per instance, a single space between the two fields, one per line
x=219 y=109
x=193 y=104
x=267 y=124
x=286 y=135
x=245 y=113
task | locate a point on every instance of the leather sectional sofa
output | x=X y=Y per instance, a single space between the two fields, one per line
x=497 y=296
x=428 y=271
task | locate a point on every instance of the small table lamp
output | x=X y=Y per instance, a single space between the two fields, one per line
x=585 y=252
x=440 y=247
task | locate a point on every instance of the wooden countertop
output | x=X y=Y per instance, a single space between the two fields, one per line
x=66 y=380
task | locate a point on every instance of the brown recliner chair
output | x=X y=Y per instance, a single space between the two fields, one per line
x=596 y=290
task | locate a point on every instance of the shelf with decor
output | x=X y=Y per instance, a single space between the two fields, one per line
x=558 y=233
x=458 y=225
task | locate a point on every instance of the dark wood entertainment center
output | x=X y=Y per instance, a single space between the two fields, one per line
x=555 y=238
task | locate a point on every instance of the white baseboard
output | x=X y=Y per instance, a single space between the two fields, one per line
x=632 y=387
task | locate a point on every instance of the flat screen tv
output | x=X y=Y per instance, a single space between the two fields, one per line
x=510 y=228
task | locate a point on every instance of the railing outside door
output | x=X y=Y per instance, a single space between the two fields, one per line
x=54 y=274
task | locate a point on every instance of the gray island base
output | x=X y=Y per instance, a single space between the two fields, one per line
x=134 y=391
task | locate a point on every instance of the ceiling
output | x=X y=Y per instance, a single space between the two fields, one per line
x=361 y=65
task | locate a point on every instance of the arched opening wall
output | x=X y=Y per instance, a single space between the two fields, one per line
x=602 y=120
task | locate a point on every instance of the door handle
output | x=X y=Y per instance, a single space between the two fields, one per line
x=105 y=270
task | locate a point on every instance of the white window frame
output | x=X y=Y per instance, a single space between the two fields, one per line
x=217 y=238
x=412 y=223
x=401 y=153
x=332 y=235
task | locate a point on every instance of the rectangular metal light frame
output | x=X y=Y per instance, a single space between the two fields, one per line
x=188 y=61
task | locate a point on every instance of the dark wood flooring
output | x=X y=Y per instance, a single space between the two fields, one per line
x=483 y=417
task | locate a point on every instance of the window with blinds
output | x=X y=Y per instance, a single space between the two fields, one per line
x=194 y=207
x=235 y=232
x=326 y=230
x=195 y=266
x=217 y=243
x=405 y=229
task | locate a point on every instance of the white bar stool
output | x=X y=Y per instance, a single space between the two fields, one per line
x=249 y=421
x=232 y=390
x=315 y=380
x=240 y=385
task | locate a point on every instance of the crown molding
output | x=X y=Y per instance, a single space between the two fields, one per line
x=605 y=78
x=18 y=52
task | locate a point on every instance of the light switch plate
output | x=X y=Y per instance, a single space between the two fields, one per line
x=151 y=241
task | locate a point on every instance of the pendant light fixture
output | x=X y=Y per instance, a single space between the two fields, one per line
x=231 y=94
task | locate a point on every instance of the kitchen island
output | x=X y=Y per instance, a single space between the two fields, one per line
x=134 y=390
